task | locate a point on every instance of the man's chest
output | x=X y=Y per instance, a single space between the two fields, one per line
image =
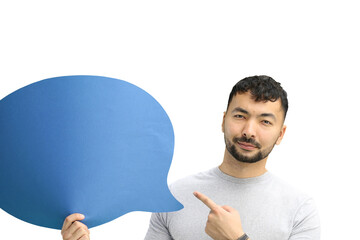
x=259 y=223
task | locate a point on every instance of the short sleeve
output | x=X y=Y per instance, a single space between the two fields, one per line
x=306 y=224
x=157 y=228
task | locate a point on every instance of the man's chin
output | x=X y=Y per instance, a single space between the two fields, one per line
x=245 y=156
x=248 y=157
x=248 y=160
x=248 y=153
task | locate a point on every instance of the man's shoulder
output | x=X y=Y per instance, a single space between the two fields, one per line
x=192 y=182
x=193 y=179
x=288 y=192
x=300 y=206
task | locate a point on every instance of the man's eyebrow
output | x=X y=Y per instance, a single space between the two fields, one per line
x=268 y=115
x=239 y=109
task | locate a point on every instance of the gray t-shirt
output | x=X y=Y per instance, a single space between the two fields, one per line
x=269 y=208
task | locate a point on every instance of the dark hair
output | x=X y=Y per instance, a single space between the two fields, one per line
x=262 y=88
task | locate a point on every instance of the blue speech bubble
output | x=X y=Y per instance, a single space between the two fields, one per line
x=83 y=144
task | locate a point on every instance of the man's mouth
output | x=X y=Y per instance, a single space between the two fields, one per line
x=246 y=146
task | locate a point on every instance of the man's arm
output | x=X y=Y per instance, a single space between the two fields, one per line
x=158 y=229
x=306 y=224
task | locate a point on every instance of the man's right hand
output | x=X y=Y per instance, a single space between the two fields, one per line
x=73 y=229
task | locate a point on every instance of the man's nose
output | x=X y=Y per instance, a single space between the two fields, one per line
x=249 y=130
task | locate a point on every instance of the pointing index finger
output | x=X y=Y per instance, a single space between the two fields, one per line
x=206 y=200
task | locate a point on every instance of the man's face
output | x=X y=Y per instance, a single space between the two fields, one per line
x=251 y=129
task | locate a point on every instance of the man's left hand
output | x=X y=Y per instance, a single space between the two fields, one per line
x=223 y=223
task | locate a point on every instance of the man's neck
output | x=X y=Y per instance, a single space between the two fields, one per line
x=235 y=168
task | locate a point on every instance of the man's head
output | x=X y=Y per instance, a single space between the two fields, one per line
x=262 y=88
x=253 y=121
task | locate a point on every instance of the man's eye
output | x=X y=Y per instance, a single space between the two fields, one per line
x=239 y=116
x=266 y=122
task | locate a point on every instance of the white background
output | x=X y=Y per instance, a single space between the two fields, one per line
x=188 y=55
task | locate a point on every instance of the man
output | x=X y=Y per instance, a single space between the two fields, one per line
x=239 y=199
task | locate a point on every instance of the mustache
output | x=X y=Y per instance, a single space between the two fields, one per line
x=247 y=140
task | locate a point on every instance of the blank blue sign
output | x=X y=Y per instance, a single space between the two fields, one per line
x=83 y=144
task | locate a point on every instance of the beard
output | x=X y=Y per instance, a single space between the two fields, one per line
x=260 y=155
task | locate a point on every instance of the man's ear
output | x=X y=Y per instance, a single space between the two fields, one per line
x=223 y=122
x=282 y=132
